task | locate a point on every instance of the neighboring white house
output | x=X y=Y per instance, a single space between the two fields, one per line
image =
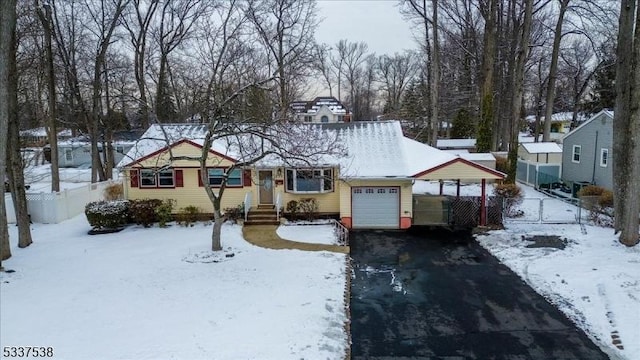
x=560 y=123
x=39 y=137
x=325 y=109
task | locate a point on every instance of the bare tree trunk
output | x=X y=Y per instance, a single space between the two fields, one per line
x=7 y=56
x=14 y=156
x=553 y=71
x=518 y=87
x=435 y=77
x=47 y=23
x=485 y=127
x=626 y=126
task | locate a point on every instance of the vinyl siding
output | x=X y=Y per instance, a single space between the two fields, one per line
x=183 y=149
x=458 y=170
x=589 y=168
x=190 y=194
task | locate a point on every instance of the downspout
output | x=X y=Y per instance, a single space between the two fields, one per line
x=595 y=158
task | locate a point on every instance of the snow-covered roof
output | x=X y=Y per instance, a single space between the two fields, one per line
x=456 y=143
x=542 y=147
x=421 y=157
x=456 y=151
x=42 y=132
x=478 y=156
x=376 y=149
x=561 y=116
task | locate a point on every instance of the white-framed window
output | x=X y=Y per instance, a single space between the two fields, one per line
x=309 y=180
x=604 y=157
x=68 y=154
x=147 y=178
x=575 y=156
x=165 y=178
x=308 y=118
x=215 y=176
x=120 y=149
x=324 y=119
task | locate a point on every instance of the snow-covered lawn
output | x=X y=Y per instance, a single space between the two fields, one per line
x=595 y=280
x=315 y=234
x=138 y=294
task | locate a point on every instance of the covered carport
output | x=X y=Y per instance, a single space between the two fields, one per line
x=446 y=167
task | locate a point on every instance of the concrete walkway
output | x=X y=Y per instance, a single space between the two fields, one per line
x=265 y=236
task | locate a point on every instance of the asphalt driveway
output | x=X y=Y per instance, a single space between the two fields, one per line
x=442 y=296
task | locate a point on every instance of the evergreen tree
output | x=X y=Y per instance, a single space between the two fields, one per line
x=462 y=127
x=603 y=93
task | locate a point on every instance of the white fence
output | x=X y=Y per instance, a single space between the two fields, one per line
x=52 y=208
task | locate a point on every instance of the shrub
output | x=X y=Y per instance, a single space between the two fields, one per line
x=188 y=215
x=143 y=212
x=234 y=214
x=113 y=192
x=591 y=190
x=512 y=195
x=308 y=208
x=502 y=164
x=107 y=214
x=606 y=199
x=163 y=212
x=292 y=209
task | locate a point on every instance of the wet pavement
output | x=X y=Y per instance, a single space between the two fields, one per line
x=442 y=296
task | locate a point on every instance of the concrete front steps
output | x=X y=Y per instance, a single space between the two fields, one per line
x=262 y=215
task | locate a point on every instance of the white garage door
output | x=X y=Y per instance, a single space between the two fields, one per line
x=375 y=207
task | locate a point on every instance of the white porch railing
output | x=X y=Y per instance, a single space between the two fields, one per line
x=247 y=205
x=341 y=231
x=278 y=205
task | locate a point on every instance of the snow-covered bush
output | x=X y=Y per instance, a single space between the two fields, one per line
x=107 y=214
x=512 y=195
x=143 y=212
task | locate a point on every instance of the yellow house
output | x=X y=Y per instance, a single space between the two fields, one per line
x=369 y=186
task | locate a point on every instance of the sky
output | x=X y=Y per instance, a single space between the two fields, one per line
x=376 y=22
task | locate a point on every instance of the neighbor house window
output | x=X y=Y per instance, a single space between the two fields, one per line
x=324 y=119
x=68 y=154
x=604 y=157
x=215 y=177
x=120 y=149
x=577 y=149
x=308 y=118
x=309 y=180
x=147 y=178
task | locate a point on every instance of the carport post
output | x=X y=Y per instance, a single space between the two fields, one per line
x=483 y=205
x=458 y=189
x=441 y=187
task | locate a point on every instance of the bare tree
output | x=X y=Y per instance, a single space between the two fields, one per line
x=138 y=24
x=486 y=122
x=44 y=15
x=322 y=64
x=14 y=165
x=353 y=57
x=8 y=87
x=626 y=126
x=286 y=29
x=176 y=24
x=518 y=86
x=395 y=73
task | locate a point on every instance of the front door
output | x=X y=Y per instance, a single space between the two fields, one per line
x=266 y=186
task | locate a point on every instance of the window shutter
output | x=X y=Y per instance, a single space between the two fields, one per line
x=200 y=177
x=133 y=176
x=246 y=178
x=179 y=179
